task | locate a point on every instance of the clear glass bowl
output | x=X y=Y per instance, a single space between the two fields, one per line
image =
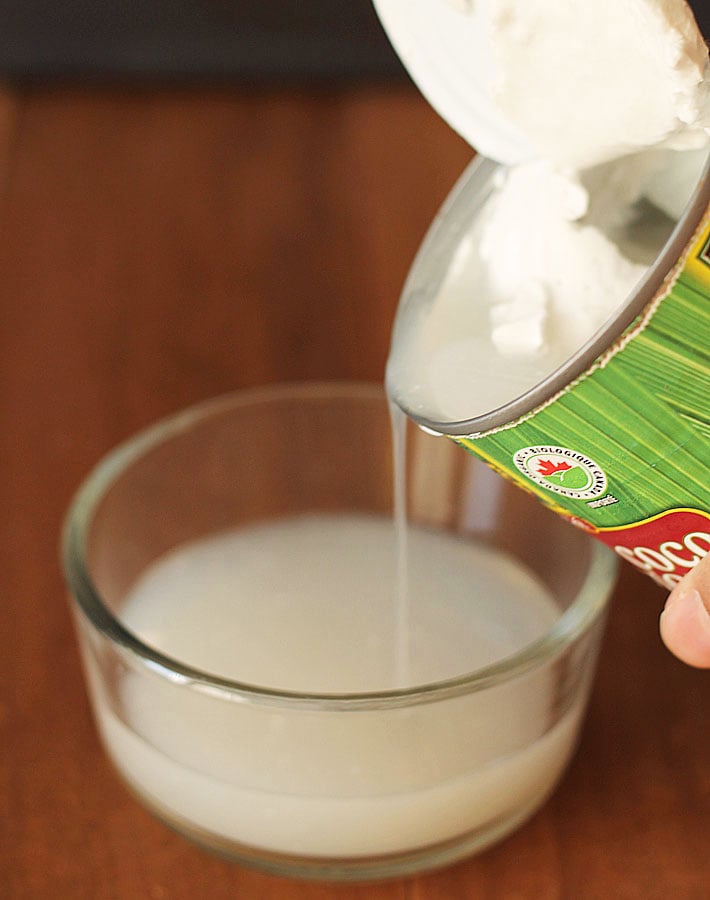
x=326 y=783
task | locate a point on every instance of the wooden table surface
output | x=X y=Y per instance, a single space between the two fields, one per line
x=161 y=247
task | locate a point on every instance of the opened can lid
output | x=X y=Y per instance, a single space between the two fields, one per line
x=446 y=48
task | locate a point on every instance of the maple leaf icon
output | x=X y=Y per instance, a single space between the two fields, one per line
x=546 y=467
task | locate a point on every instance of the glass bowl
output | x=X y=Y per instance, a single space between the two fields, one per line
x=282 y=678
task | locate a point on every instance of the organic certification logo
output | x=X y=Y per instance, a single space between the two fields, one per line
x=562 y=470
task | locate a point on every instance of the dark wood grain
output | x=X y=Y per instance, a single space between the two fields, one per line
x=158 y=248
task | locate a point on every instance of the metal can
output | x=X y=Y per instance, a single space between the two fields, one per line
x=617 y=439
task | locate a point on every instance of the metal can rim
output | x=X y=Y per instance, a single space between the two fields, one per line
x=481 y=172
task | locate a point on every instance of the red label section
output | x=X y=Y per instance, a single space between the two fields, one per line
x=666 y=546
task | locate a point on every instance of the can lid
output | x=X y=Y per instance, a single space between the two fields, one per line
x=446 y=47
x=578 y=83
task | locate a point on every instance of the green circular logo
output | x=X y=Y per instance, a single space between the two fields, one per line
x=562 y=471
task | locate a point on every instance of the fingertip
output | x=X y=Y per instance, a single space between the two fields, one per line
x=685 y=627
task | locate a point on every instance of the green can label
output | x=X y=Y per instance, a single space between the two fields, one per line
x=623 y=451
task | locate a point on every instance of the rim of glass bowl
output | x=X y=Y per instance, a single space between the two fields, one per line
x=589 y=603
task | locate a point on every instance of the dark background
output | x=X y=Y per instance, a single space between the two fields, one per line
x=189 y=39
x=201 y=39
